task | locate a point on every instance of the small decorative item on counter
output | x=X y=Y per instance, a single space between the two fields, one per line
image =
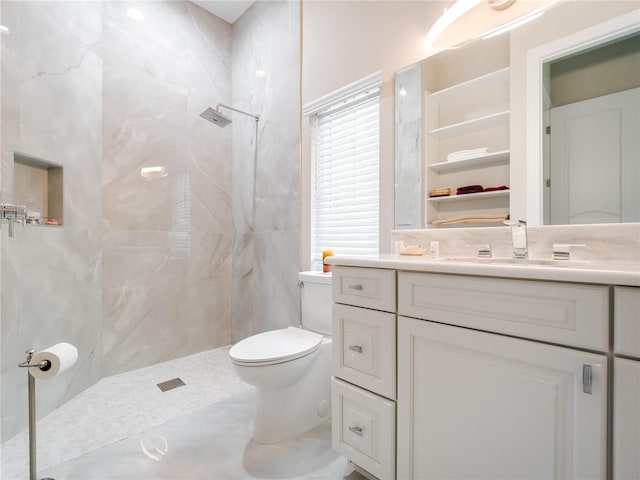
x=440 y=192
x=326 y=253
x=403 y=249
x=51 y=221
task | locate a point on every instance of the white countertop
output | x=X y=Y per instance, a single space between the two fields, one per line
x=598 y=272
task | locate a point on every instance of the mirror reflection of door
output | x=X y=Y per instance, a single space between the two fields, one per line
x=593 y=170
x=595 y=146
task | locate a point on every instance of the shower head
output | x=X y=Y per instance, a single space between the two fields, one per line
x=215 y=117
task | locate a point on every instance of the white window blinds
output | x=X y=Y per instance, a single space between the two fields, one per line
x=345 y=182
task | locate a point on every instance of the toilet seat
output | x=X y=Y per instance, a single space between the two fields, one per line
x=276 y=346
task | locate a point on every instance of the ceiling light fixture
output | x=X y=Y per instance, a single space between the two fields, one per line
x=466 y=20
x=513 y=24
x=449 y=16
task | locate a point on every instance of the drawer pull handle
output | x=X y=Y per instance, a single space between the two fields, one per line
x=357 y=287
x=587 y=379
x=355 y=348
x=356 y=430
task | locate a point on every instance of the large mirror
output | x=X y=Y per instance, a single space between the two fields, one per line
x=479 y=113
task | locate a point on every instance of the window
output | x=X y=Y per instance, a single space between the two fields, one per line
x=345 y=154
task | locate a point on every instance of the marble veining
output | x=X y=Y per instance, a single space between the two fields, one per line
x=167 y=240
x=266 y=197
x=52 y=276
x=147 y=269
x=603 y=242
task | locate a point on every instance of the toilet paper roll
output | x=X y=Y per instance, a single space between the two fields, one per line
x=60 y=356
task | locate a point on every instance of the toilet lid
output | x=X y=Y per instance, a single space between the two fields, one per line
x=281 y=345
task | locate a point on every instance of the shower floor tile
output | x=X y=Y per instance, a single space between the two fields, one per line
x=117 y=407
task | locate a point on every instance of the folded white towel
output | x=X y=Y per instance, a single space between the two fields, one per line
x=463 y=154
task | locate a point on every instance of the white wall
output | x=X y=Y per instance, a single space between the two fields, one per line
x=343 y=42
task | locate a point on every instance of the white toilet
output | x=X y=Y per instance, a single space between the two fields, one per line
x=291 y=367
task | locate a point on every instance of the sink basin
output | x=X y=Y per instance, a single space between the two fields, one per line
x=518 y=261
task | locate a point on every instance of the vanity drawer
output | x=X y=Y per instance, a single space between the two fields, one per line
x=364 y=348
x=365 y=287
x=626 y=321
x=564 y=313
x=363 y=428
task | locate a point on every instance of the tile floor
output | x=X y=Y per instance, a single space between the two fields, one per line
x=125 y=428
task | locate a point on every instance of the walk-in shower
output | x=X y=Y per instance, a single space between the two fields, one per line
x=215 y=116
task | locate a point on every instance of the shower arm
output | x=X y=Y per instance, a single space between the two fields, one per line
x=256 y=117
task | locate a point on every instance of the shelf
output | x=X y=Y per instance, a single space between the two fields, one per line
x=469 y=196
x=470 y=126
x=493 y=79
x=493 y=158
x=465 y=225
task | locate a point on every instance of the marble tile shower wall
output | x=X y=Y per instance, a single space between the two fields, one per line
x=52 y=276
x=141 y=271
x=266 y=196
x=167 y=240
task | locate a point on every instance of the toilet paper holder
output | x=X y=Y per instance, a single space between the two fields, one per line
x=43 y=365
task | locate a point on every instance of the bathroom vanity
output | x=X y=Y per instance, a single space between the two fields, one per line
x=455 y=368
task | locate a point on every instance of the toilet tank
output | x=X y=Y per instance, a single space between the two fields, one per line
x=315 y=299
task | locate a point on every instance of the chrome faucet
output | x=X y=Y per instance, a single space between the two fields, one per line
x=13 y=214
x=518 y=238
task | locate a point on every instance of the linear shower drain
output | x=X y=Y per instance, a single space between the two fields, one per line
x=170 y=384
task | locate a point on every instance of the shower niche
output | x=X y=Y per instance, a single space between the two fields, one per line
x=38 y=184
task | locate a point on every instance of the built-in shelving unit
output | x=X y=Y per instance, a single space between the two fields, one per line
x=38 y=184
x=470 y=114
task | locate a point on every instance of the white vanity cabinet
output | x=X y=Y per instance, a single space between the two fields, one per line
x=626 y=406
x=364 y=368
x=476 y=404
x=453 y=375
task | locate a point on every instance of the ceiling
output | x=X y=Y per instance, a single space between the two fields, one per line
x=229 y=10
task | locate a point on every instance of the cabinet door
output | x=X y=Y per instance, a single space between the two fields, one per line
x=478 y=405
x=626 y=426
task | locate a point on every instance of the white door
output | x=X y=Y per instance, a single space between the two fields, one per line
x=595 y=160
x=474 y=405
x=626 y=426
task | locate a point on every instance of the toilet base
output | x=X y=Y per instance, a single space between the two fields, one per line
x=282 y=413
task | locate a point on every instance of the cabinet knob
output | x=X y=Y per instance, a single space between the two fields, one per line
x=357 y=287
x=355 y=348
x=357 y=430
